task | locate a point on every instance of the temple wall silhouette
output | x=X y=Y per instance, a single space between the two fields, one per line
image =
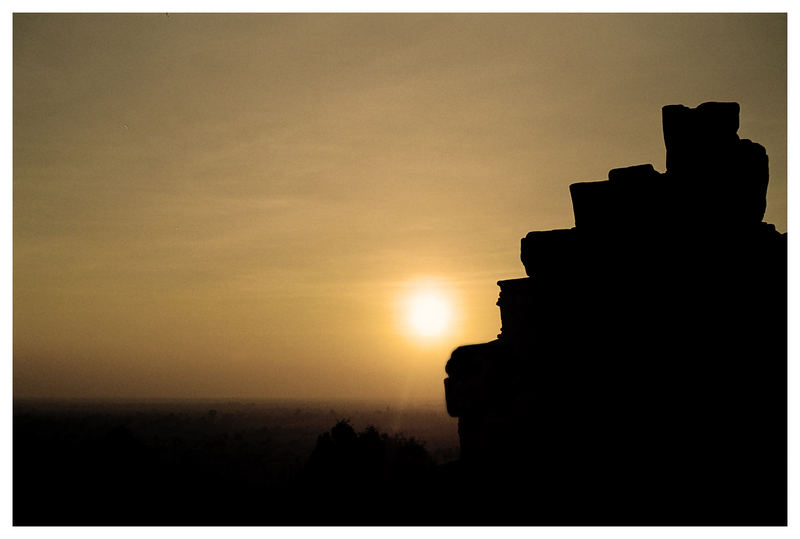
x=640 y=373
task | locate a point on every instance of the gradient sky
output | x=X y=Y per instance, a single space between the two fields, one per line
x=235 y=205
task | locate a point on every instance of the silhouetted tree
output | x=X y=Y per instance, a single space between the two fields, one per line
x=343 y=456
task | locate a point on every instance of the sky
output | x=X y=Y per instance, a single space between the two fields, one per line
x=243 y=206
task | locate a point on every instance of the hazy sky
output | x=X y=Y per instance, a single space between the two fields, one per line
x=237 y=205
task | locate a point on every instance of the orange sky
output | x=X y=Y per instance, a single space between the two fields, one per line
x=235 y=205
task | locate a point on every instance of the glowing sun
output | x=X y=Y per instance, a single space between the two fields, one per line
x=428 y=312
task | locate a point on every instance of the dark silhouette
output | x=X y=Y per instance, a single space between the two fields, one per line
x=640 y=373
x=366 y=458
x=639 y=378
x=235 y=464
x=371 y=478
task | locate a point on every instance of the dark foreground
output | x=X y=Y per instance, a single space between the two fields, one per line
x=640 y=374
x=226 y=464
x=280 y=464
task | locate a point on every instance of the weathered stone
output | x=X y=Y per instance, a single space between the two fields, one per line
x=593 y=204
x=640 y=373
x=632 y=176
x=517 y=302
x=548 y=251
x=692 y=135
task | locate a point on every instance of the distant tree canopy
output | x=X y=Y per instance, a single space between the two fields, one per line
x=367 y=457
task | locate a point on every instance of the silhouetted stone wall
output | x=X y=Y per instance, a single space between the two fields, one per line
x=640 y=372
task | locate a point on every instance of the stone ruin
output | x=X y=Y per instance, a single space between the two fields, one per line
x=640 y=373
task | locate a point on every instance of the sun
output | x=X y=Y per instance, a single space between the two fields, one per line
x=428 y=312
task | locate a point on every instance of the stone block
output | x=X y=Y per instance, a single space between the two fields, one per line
x=593 y=205
x=547 y=251
x=693 y=137
x=632 y=176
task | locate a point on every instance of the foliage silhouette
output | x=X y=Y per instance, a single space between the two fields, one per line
x=97 y=466
x=367 y=457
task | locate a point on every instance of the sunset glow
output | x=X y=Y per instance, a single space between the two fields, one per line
x=301 y=205
x=384 y=268
x=429 y=313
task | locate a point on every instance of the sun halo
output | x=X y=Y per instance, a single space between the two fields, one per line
x=427 y=312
